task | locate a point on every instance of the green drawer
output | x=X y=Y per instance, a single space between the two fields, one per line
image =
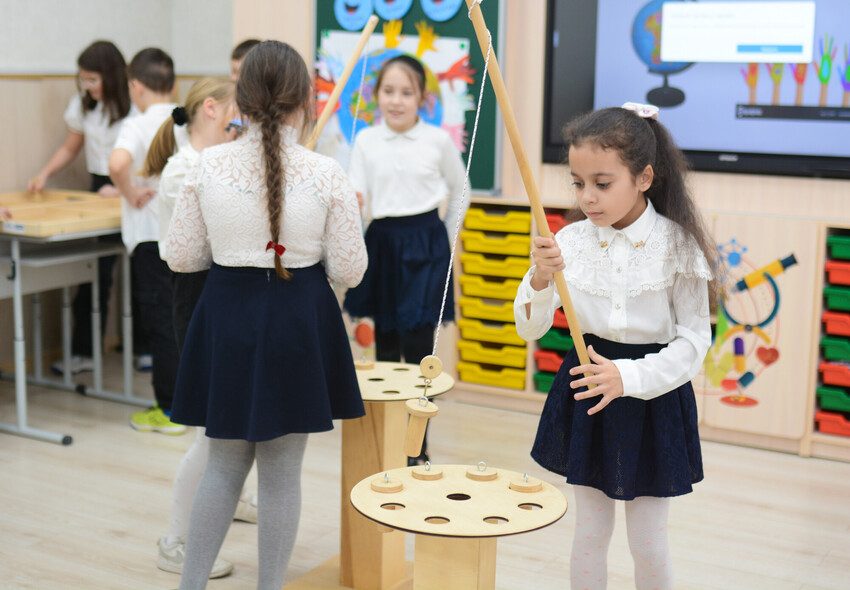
x=839 y=246
x=835 y=349
x=543 y=381
x=837 y=298
x=556 y=339
x=830 y=398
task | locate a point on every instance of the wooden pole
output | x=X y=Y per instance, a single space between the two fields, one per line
x=340 y=84
x=525 y=170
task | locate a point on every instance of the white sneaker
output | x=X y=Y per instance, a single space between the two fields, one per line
x=79 y=364
x=171 y=557
x=144 y=362
x=246 y=509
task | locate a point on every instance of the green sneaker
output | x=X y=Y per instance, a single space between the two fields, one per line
x=154 y=420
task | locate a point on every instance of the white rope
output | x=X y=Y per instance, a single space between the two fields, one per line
x=359 y=96
x=463 y=195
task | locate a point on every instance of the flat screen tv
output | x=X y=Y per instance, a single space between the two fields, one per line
x=744 y=86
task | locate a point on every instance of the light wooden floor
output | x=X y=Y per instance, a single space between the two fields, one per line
x=87 y=516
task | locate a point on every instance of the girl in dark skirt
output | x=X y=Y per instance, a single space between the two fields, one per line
x=266 y=359
x=404 y=169
x=639 y=269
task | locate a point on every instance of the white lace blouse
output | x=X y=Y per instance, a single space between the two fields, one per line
x=221 y=213
x=643 y=284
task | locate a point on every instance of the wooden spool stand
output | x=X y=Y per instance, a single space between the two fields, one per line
x=458 y=517
x=371 y=556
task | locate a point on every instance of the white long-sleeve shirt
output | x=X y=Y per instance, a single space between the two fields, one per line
x=644 y=284
x=409 y=173
x=221 y=213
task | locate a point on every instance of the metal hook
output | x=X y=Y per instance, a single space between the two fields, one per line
x=482 y=466
x=427 y=466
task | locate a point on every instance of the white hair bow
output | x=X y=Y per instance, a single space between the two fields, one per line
x=645 y=111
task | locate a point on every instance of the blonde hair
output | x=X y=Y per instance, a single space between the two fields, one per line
x=164 y=144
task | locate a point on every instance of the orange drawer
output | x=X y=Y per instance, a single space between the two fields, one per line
x=836 y=324
x=836 y=374
x=838 y=273
x=560 y=319
x=832 y=423
x=548 y=360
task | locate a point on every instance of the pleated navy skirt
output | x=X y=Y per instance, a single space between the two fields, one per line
x=265 y=357
x=629 y=449
x=402 y=289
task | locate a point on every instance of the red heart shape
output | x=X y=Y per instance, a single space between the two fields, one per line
x=729 y=384
x=767 y=355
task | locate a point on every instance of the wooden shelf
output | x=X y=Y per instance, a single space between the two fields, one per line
x=508 y=201
x=831 y=439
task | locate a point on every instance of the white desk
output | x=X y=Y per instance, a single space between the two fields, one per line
x=34 y=265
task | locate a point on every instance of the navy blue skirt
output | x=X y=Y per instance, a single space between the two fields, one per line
x=403 y=286
x=265 y=357
x=629 y=449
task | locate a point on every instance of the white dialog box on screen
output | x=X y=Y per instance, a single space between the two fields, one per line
x=742 y=32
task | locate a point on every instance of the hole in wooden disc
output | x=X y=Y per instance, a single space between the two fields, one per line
x=437 y=520
x=376 y=379
x=496 y=520
x=390 y=392
x=423 y=386
x=393 y=506
x=458 y=497
x=529 y=506
x=422 y=376
x=401 y=369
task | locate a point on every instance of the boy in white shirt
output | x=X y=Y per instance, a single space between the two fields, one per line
x=151 y=80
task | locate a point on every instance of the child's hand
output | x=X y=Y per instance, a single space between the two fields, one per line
x=5 y=213
x=36 y=184
x=604 y=374
x=140 y=196
x=547 y=257
x=107 y=190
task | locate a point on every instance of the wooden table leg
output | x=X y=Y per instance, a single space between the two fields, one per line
x=371 y=556
x=454 y=563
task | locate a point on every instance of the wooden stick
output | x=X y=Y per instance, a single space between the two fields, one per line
x=525 y=170
x=340 y=84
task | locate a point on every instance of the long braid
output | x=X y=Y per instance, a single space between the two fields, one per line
x=270 y=128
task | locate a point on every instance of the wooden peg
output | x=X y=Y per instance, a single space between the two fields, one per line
x=364 y=365
x=431 y=366
x=526 y=484
x=482 y=472
x=427 y=472
x=421 y=410
x=385 y=485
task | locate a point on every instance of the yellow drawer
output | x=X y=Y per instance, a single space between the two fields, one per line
x=473 y=373
x=518 y=222
x=475 y=286
x=478 y=241
x=476 y=308
x=505 y=356
x=501 y=266
x=499 y=333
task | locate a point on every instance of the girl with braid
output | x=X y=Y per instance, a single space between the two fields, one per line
x=266 y=358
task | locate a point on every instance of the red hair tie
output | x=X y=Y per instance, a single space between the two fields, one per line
x=278 y=248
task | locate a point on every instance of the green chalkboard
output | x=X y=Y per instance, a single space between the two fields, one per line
x=453 y=35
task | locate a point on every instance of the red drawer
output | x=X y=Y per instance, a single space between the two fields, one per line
x=832 y=423
x=556 y=222
x=836 y=324
x=838 y=272
x=561 y=319
x=548 y=360
x=836 y=374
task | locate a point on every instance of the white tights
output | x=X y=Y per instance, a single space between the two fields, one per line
x=646 y=524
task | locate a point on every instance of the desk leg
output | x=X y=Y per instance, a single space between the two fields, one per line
x=96 y=337
x=66 y=337
x=37 y=344
x=127 y=326
x=21 y=428
x=452 y=563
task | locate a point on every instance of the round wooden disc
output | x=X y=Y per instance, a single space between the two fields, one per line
x=415 y=408
x=431 y=366
x=526 y=484
x=478 y=474
x=386 y=486
x=432 y=474
x=364 y=365
x=394 y=382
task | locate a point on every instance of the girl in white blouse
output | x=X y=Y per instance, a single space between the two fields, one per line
x=266 y=358
x=93 y=117
x=638 y=269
